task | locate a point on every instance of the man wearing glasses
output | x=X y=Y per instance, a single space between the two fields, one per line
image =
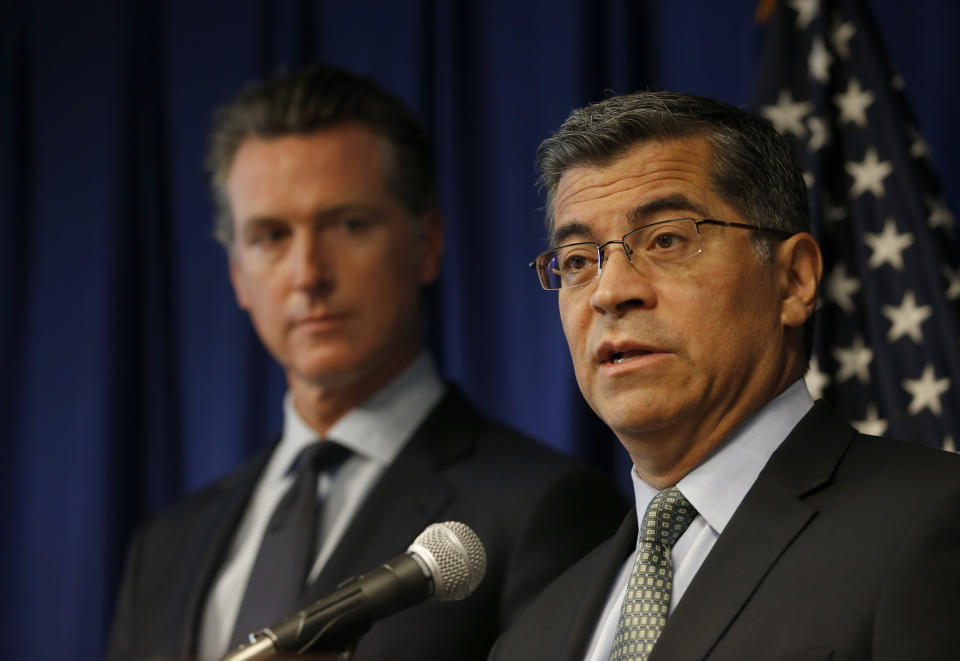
x=327 y=211
x=765 y=526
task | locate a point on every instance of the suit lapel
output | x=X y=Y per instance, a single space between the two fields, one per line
x=597 y=578
x=210 y=534
x=407 y=498
x=771 y=516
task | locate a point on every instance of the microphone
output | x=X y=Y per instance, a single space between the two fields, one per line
x=445 y=562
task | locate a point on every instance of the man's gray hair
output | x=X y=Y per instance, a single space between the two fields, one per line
x=752 y=168
x=311 y=99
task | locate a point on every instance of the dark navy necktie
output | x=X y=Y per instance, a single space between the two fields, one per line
x=289 y=544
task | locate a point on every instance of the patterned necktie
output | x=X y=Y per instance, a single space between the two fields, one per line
x=289 y=544
x=647 y=602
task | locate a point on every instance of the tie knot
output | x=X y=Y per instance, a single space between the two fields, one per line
x=667 y=517
x=320 y=456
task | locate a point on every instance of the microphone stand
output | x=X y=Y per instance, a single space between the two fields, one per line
x=445 y=562
x=262 y=648
x=339 y=634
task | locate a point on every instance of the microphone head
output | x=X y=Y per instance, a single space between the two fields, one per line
x=454 y=556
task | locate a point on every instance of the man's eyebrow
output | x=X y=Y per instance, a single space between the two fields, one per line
x=645 y=213
x=560 y=234
x=640 y=215
x=255 y=223
x=345 y=208
x=322 y=215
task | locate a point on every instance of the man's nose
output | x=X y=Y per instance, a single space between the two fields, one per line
x=620 y=285
x=311 y=263
x=613 y=246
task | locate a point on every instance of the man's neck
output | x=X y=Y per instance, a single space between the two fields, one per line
x=663 y=457
x=321 y=404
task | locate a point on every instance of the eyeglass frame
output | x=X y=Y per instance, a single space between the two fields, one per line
x=783 y=234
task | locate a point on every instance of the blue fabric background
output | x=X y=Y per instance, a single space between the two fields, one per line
x=129 y=377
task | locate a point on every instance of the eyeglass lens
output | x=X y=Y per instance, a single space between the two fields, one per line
x=660 y=243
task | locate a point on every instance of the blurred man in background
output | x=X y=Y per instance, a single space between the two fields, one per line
x=326 y=207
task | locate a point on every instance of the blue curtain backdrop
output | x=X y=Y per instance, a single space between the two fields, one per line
x=129 y=377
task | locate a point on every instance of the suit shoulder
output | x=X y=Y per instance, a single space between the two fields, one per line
x=234 y=486
x=909 y=462
x=502 y=469
x=456 y=426
x=512 y=455
x=824 y=448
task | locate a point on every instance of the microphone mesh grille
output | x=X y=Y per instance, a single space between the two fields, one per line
x=455 y=556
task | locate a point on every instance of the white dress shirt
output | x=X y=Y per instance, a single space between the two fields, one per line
x=375 y=431
x=715 y=488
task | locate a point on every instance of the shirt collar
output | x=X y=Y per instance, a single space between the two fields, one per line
x=380 y=427
x=717 y=486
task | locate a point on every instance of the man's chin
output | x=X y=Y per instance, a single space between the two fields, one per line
x=327 y=374
x=637 y=414
x=345 y=366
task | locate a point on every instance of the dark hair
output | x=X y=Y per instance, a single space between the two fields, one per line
x=310 y=99
x=752 y=167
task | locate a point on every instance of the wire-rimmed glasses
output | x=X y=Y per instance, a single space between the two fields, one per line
x=663 y=242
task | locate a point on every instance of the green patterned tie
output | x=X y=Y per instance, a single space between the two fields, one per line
x=647 y=602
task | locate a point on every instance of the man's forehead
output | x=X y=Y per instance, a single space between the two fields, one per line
x=650 y=210
x=350 y=146
x=347 y=157
x=659 y=174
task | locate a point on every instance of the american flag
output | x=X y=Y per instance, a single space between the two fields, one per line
x=887 y=345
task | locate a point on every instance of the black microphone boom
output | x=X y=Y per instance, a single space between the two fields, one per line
x=391 y=587
x=446 y=561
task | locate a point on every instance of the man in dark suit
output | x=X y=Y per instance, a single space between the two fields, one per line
x=325 y=189
x=768 y=528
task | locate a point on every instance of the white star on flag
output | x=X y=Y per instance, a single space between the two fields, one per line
x=833 y=213
x=854 y=361
x=841 y=38
x=873 y=425
x=948 y=444
x=806 y=11
x=953 y=281
x=787 y=115
x=906 y=319
x=853 y=103
x=836 y=214
x=868 y=175
x=815 y=379
x=888 y=246
x=819 y=61
x=926 y=391
x=940 y=214
x=918 y=146
x=819 y=133
x=840 y=289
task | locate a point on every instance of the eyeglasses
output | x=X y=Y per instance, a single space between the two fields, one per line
x=664 y=242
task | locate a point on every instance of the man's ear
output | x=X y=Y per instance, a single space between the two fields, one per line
x=801 y=266
x=431 y=243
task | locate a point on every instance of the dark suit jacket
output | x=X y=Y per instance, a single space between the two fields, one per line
x=535 y=510
x=846 y=547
